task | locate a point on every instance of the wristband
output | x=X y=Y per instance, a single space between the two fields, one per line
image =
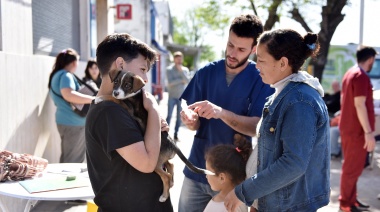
x=368 y=132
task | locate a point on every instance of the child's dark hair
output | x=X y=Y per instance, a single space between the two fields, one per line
x=247 y=26
x=122 y=45
x=290 y=44
x=231 y=159
x=64 y=58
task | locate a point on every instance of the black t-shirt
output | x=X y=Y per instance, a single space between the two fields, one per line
x=116 y=184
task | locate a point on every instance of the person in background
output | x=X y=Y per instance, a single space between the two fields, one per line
x=357 y=125
x=92 y=75
x=224 y=97
x=121 y=157
x=63 y=88
x=336 y=150
x=293 y=167
x=177 y=77
x=333 y=106
x=333 y=100
x=228 y=162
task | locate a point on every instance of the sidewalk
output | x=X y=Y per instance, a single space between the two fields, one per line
x=368 y=186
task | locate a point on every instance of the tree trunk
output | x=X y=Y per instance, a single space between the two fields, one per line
x=272 y=16
x=331 y=18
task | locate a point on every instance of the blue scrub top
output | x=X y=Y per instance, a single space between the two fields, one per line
x=245 y=95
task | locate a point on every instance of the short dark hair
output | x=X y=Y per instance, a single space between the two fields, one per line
x=364 y=53
x=290 y=44
x=247 y=26
x=122 y=45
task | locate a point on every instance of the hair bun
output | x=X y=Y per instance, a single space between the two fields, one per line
x=310 y=38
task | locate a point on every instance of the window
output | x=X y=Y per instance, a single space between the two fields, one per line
x=55 y=26
x=93 y=32
x=375 y=72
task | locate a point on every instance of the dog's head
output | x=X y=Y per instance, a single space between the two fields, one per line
x=125 y=84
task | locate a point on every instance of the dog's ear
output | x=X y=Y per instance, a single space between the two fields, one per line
x=113 y=74
x=138 y=83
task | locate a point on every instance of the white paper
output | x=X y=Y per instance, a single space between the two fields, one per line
x=185 y=108
x=184 y=104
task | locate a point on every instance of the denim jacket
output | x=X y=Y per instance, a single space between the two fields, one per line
x=294 y=153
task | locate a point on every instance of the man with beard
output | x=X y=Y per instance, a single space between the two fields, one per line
x=357 y=125
x=226 y=96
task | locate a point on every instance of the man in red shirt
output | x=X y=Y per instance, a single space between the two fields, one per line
x=356 y=127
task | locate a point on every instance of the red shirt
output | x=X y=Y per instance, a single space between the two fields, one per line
x=355 y=83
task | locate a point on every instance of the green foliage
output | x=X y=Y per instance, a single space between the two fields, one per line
x=207 y=53
x=198 y=22
x=210 y=16
x=179 y=34
x=188 y=61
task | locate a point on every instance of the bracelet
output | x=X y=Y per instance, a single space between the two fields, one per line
x=368 y=132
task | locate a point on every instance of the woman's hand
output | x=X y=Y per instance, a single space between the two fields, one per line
x=231 y=202
x=164 y=125
x=190 y=118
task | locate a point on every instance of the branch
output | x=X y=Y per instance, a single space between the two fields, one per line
x=331 y=18
x=272 y=16
x=253 y=7
x=298 y=17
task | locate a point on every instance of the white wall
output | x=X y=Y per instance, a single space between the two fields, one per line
x=139 y=25
x=26 y=110
x=163 y=14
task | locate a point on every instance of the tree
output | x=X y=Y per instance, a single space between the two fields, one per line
x=197 y=24
x=331 y=17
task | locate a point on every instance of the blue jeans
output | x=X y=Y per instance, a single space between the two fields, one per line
x=334 y=138
x=171 y=103
x=194 y=196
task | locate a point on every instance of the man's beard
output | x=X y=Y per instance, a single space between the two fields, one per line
x=240 y=63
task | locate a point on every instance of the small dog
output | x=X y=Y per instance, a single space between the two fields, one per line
x=127 y=93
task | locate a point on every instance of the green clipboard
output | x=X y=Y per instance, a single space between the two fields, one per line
x=52 y=184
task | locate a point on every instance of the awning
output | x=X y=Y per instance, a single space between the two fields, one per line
x=159 y=47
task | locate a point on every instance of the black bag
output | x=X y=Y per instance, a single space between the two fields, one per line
x=81 y=109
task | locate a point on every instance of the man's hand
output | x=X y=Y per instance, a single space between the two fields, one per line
x=207 y=109
x=231 y=202
x=370 y=142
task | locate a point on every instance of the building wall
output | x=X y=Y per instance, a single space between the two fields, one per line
x=164 y=16
x=26 y=110
x=139 y=25
x=27 y=123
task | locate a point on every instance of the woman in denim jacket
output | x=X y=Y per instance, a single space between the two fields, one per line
x=293 y=133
